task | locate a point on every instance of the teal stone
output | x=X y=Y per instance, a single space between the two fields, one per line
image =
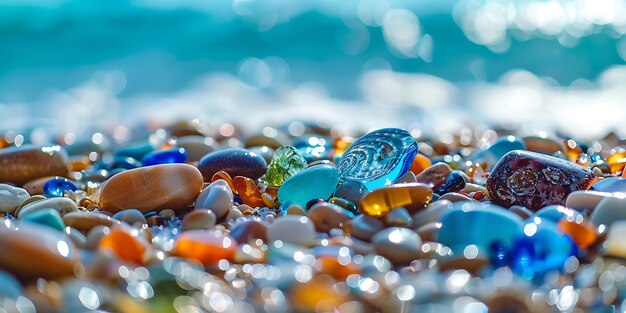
x=379 y=158
x=497 y=150
x=555 y=213
x=317 y=182
x=611 y=184
x=473 y=223
x=285 y=163
x=48 y=217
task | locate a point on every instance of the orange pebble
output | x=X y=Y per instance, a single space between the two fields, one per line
x=78 y=164
x=380 y=201
x=206 y=246
x=125 y=243
x=223 y=175
x=420 y=163
x=318 y=294
x=583 y=232
x=617 y=161
x=248 y=191
x=329 y=264
x=341 y=144
x=572 y=150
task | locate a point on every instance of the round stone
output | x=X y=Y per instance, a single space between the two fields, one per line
x=19 y=165
x=434 y=175
x=130 y=216
x=217 y=197
x=399 y=245
x=326 y=216
x=294 y=229
x=11 y=197
x=199 y=219
x=317 y=182
x=352 y=191
x=32 y=251
x=149 y=188
x=246 y=231
x=363 y=227
x=234 y=161
x=379 y=158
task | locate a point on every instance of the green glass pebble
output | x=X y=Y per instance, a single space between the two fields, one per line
x=48 y=217
x=285 y=163
x=317 y=182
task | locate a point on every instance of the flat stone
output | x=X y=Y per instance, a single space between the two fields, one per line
x=163 y=186
x=234 y=161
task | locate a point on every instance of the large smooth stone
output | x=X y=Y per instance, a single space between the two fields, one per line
x=399 y=245
x=535 y=180
x=11 y=197
x=234 y=161
x=206 y=246
x=497 y=150
x=19 y=165
x=470 y=223
x=317 y=182
x=163 y=186
x=609 y=210
x=34 y=251
x=585 y=199
x=62 y=205
x=294 y=229
x=217 y=197
x=379 y=158
x=380 y=201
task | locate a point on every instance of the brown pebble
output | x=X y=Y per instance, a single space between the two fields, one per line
x=327 y=215
x=85 y=221
x=199 y=219
x=455 y=197
x=434 y=174
x=149 y=188
x=245 y=231
x=19 y=165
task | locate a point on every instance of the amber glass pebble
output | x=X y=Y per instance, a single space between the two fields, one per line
x=341 y=144
x=248 y=191
x=420 y=163
x=77 y=164
x=583 y=232
x=125 y=243
x=617 y=160
x=380 y=201
x=206 y=246
x=573 y=150
x=223 y=175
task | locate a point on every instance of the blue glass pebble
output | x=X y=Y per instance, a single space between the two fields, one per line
x=379 y=158
x=541 y=247
x=499 y=254
x=497 y=150
x=175 y=155
x=555 y=213
x=56 y=186
x=453 y=183
x=316 y=182
x=473 y=223
x=612 y=184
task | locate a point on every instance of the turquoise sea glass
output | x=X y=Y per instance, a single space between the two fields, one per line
x=316 y=182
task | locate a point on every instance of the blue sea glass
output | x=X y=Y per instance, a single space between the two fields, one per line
x=316 y=182
x=612 y=184
x=497 y=150
x=454 y=182
x=379 y=158
x=48 y=217
x=540 y=247
x=175 y=155
x=473 y=223
x=555 y=212
x=56 y=186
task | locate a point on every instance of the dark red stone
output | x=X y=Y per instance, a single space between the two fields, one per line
x=535 y=180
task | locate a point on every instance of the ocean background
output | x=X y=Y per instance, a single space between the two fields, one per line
x=540 y=67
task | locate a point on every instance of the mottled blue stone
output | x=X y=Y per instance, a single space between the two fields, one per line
x=48 y=217
x=555 y=213
x=473 y=223
x=175 y=155
x=453 y=183
x=316 y=182
x=497 y=150
x=541 y=247
x=56 y=186
x=612 y=184
x=379 y=158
